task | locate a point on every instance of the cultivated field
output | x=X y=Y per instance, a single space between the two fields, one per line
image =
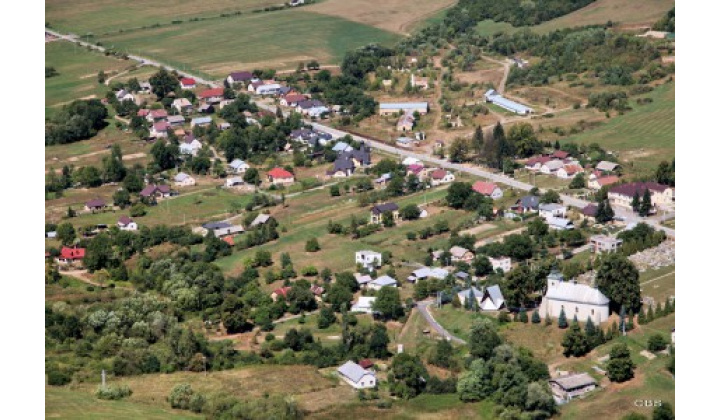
x=78 y=69
x=630 y=14
x=644 y=136
x=398 y=16
x=101 y=16
x=63 y=403
x=276 y=39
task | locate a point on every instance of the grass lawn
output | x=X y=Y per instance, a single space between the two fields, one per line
x=63 y=403
x=457 y=321
x=658 y=284
x=644 y=136
x=278 y=40
x=637 y=12
x=188 y=208
x=489 y=27
x=652 y=380
x=78 y=69
x=100 y=16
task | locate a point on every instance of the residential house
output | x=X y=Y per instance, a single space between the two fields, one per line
x=535 y=163
x=575 y=299
x=382 y=281
x=264 y=89
x=551 y=167
x=206 y=109
x=156 y=115
x=183 y=105
x=458 y=254
x=187 y=83
x=376 y=212
x=606 y=167
x=660 y=195
x=364 y=304
x=597 y=182
x=389 y=108
x=190 y=146
x=408 y=161
x=528 y=203
x=501 y=263
x=201 y=121
x=492 y=96
x=560 y=154
x=281 y=292
x=383 y=179
x=123 y=95
x=239 y=77
x=368 y=259
x=261 y=219
x=360 y=157
x=145 y=87
x=159 y=129
x=404 y=141
x=492 y=299
x=126 y=223
x=420 y=82
x=95 y=205
x=184 y=180
x=469 y=293
x=441 y=176
x=238 y=166
x=589 y=212
x=559 y=223
x=552 y=210
x=176 y=120
x=428 y=272
x=214 y=95
x=405 y=123
x=565 y=388
x=342 y=167
x=356 y=376
x=415 y=169
x=292 y=99
x=569 y=171
x=341 y=146
x=362 y=279
x=279 y=176
x=155 y=191
x=233 y=181
x=312 y=108
x=604 y=243
x=488 y=189
x=70 y=255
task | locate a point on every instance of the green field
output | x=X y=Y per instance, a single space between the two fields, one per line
x=644 y=136
x=101 y=16
x=62 y=403
x=78 y=70
x=277 y=39
x=629 y=14
x=658 y=284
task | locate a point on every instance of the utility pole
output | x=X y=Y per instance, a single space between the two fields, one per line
x=103 y=378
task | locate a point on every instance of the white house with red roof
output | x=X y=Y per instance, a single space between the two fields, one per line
x=187 y=83
x=441 y=176
x=283 y=291
x=487 y=189
x=535 y=163
x=569 y=171
x=598 y=181
x=70 y=255
x=156 y=115
x=292 y=99
x=159 y=129
x=279 y=176
x=212 y=95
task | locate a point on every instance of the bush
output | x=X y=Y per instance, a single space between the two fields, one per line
x=58 y=378
x=657 y=342
x=180 y=396
x=138 y=210
x=113 y=392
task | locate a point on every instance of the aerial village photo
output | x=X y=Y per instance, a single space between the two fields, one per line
x=334 y=209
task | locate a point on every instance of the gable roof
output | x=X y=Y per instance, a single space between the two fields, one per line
x=95 y=203
x=530 y=202
x=187 y=81
x=211 y=93
x=494 y=293
x=280 y=173
x=295 y=97
x=241 y=76
x=537 y=159
x=384 y=281
x=283 y=291
x=124 y=220
x=590 y=210
x=161 y=126
x=608 y=180
x=574 y=292
x=458 y=251
x=573 y=382
x=182 y=176
x=439 y=174
x=484 y=188
x=158 y=113
x=606 y=166
x=554 y=165
x=68 y=253
x=237 y=163
x=631 y=188
x=560 y=154
x=201 y=120
x=382 y=208
x=353 y=371
x=466 y=293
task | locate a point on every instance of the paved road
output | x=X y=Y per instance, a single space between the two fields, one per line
x=423 y=309
x=498 y=178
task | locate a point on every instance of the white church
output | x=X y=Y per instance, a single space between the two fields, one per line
x=578 y=300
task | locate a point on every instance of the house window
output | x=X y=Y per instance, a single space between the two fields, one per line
x=576 y=309
x=592 y=311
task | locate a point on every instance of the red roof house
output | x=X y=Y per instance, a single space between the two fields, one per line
x=280 y=176
x=439 y=174
x=68 y=254
x=366 y=363
x=229 y=240
x=211 y=93
x=560 y=154
x=187 y=83
x=283 y=291
x=487 y=189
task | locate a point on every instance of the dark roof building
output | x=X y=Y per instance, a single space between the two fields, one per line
x=382 y=208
